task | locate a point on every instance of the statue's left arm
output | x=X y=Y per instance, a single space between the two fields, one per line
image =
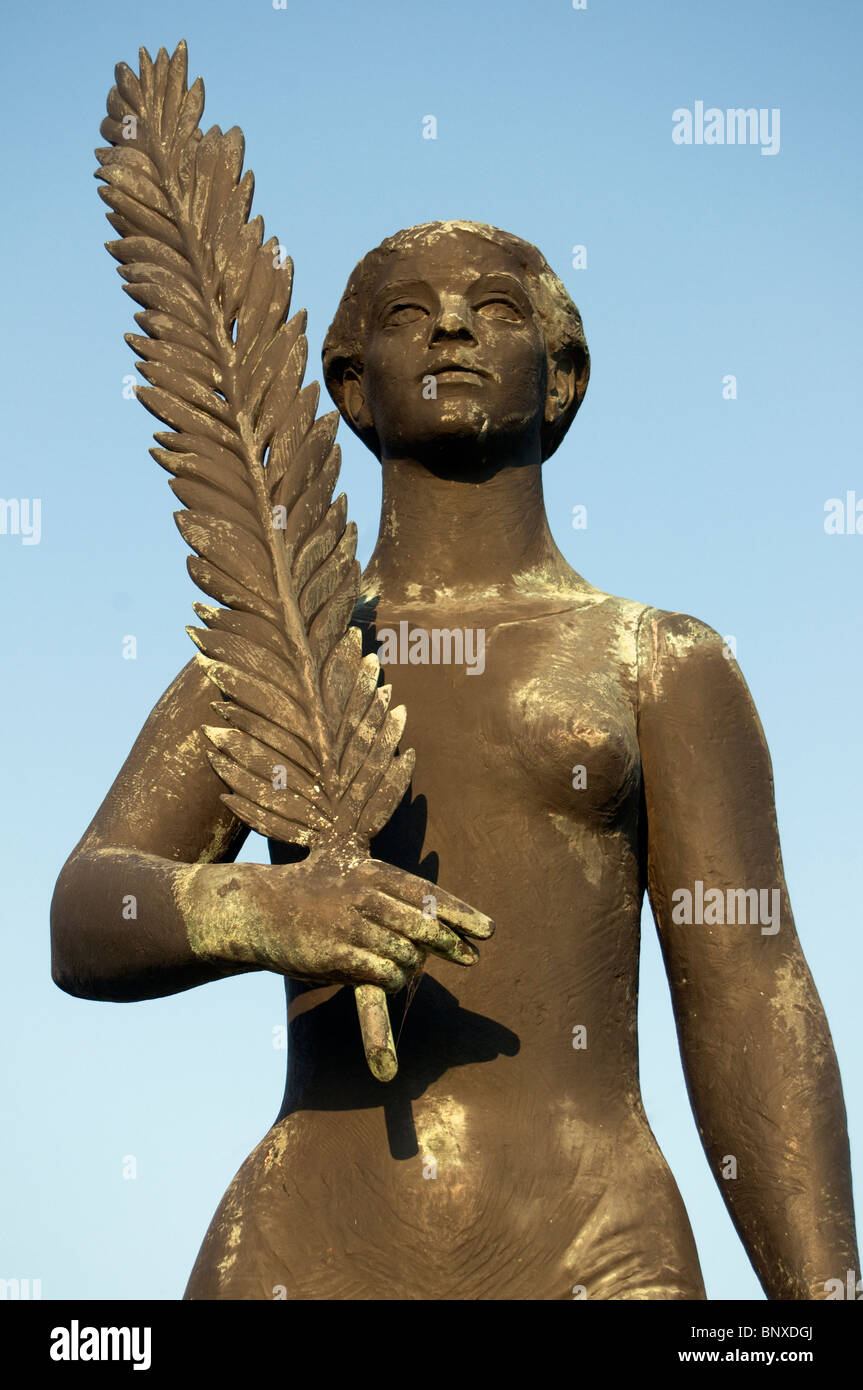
x=757 y=1053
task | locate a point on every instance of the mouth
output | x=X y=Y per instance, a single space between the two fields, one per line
x=456 y=372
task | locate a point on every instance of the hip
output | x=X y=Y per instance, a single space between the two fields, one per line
x=475 y=1212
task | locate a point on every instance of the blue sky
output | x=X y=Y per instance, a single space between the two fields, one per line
x=702 y=262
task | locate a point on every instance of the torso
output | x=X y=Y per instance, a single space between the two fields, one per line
x=511 y=1157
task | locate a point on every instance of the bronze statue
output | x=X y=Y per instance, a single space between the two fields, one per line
x=572 y=749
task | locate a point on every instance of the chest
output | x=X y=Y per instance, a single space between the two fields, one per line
x=541 y=710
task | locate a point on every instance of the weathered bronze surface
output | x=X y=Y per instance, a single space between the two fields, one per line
x=575 y=750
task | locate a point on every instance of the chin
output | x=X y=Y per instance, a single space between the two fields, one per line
x=458 y=452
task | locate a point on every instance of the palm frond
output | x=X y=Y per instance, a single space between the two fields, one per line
x=311 y=752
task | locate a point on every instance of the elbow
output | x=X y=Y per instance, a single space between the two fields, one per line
x=69 y=969
x=74 y=976
x=65 y=980
x=60 y=965
x=65 y=971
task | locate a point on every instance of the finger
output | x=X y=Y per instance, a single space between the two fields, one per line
x=356 y=966
x=413 y=890
x=426 y=931
x=377 y=937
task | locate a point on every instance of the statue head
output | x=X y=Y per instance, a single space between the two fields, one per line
x=455 y=335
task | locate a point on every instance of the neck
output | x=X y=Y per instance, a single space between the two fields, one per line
x=479 y=536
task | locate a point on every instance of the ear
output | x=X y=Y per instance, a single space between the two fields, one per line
x=563 y=385
x=354 y=402
x=568 y=375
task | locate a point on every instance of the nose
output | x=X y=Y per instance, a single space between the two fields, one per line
x=454 y=320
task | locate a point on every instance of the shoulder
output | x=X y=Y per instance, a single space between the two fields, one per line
x=656 y=635
x=690 y=685
x=669 y=638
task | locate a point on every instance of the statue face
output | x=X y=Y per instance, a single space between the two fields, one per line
x=455 y=355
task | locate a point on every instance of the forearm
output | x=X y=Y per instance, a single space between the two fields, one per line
x=766 y=1091
x=127 y=926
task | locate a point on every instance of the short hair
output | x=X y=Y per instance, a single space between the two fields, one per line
x=344 y=345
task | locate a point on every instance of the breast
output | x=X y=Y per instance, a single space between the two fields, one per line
x=551 y=716
x=576 y=739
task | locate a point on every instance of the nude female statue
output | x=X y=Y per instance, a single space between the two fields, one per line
x=511 y=1157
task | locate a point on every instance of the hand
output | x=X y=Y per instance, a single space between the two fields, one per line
x=325 y=923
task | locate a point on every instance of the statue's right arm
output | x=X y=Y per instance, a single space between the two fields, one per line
x=150 y=902
x=120 y=927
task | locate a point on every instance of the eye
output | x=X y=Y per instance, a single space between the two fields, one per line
x=500 y=308
x=399 y=314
